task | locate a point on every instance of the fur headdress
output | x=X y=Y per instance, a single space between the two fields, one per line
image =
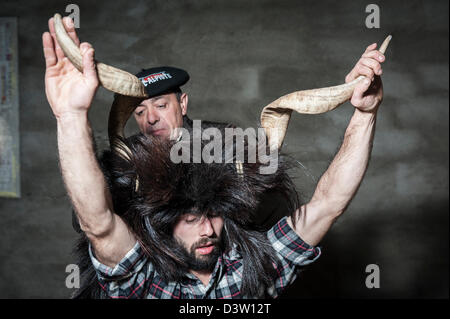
x=167 y=190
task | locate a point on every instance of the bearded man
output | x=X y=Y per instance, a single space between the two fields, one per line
x=156 y=229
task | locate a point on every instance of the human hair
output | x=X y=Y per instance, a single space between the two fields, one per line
x=178 y=94
x=177 y=91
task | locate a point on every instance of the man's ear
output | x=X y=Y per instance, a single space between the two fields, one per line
x=184 y=99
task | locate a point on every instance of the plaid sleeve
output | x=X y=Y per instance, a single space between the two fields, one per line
x=293 y=254
x=126 y=279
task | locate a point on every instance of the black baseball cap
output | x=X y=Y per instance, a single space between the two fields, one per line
x=161 y=80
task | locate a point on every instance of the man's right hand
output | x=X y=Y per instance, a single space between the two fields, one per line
x=68 y=90
x=70 y=94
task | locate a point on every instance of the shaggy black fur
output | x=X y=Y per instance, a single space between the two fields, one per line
x=167 y=190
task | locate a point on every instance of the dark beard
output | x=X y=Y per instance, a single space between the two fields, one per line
x=205 y=262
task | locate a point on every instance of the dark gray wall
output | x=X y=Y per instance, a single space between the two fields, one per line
x=242 y=55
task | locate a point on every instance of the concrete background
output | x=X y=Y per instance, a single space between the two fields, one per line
x=241 y=55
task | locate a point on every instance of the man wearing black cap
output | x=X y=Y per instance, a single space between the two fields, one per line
x=163 y=111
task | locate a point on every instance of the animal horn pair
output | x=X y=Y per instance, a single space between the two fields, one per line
x=274 y=117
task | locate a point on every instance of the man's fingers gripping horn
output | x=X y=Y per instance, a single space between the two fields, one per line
x=111 y=78
x=130 y=88
x=275 y=116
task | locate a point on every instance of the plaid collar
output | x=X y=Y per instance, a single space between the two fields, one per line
x=135 y=276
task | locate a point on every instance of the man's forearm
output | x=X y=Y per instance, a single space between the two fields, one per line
x=82 y=175
x=341 y=181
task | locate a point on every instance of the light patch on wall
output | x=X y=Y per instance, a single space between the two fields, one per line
x=421 y=179
x=9 y=110
x=393 y=143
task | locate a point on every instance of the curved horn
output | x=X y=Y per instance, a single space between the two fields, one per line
x=119 y=114
x=121 y=110
x=275 y=116
x=129 y=88
x=110 y=78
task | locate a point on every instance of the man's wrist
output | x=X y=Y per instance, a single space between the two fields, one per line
x=361 y=120
x=71 y=117
x=365 y=115
x=73 y=124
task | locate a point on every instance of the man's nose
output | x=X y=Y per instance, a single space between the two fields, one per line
x=206 y=227
x=152 y=116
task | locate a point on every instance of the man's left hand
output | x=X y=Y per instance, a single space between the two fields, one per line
x=368 y=94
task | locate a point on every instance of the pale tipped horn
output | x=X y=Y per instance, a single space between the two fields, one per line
x=119 y=114
x=121 y=110
x=275 y=116
x=110 y=77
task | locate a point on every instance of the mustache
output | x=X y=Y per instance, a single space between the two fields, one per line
x=150 y=130
x=205 y=241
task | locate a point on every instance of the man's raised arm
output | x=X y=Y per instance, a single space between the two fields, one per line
x=70 y=94
x=340 y=182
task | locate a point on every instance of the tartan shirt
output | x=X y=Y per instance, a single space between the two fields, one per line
x=135 y=277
